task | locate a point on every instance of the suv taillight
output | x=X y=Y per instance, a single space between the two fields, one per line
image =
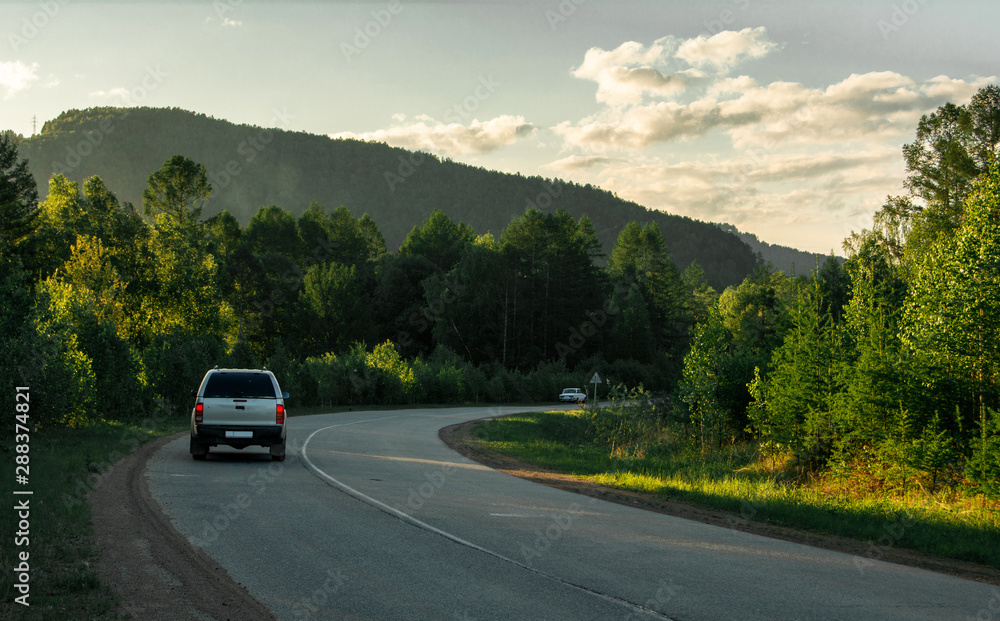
x=199 y=412
x=279 y=414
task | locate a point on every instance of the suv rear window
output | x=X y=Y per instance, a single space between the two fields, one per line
x=240 y=386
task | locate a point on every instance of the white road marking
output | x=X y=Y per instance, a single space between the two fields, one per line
x=405 y=517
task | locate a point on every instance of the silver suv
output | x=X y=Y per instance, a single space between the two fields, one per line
x=239 y=408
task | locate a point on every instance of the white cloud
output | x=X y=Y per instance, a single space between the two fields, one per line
x=726 y=49
x=869 y=107
x=119 y=92
x=231 y=23
x=581 y=162
x=796 y=197
x=625 y=74
x=16 y=76
x=426 y=134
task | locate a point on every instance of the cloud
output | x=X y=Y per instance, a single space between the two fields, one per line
x=799 y=199
x=426 y=134
x=119 y=92
x=581 y=162
x=231 y=23
x=726 y=49
x=625 y=74
x=804 y=162
x=866 y=107
x=680 y=90
x=16 y=76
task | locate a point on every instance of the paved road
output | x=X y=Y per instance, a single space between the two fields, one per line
x=373 y=517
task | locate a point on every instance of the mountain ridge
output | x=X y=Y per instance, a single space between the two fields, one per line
x=251 y=167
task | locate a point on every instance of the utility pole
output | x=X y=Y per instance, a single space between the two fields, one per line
x=34 y=124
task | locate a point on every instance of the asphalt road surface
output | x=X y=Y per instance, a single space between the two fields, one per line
x=372 y=517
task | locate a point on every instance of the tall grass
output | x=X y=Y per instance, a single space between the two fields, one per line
x=640 y=447
x=65 y=465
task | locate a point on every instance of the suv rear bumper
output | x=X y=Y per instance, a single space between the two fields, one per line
x=261 y=435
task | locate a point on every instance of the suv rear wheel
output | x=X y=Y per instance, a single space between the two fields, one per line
x=198 y=451
x=278 y=451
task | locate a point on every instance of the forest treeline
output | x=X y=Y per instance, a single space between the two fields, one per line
x=882 y=369
x=114 y=306
x=250 y=166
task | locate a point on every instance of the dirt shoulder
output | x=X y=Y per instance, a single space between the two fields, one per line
x=157 y=572
x=459 y=438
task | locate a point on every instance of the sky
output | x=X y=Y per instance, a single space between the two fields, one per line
x=785 y=119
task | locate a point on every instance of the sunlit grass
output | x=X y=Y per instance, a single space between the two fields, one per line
x=734 y=479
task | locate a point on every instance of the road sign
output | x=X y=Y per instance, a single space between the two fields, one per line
x=596 y=379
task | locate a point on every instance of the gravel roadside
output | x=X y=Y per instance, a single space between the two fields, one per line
x=157 y=573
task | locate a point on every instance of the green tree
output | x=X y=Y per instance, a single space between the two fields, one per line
x=984 y=466
x=439 y=239
x=553 y=282
x=640 y=255
x=178 y=190
x=704 y=365
x=984 y=139
x=800 y=392
x=18 y=199
x=952 y=316
x=332 y=292
x=401 y=312
x=273 y=230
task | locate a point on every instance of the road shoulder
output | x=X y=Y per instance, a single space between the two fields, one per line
x=155 y=571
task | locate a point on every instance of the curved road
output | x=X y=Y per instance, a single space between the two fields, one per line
x=372 y=517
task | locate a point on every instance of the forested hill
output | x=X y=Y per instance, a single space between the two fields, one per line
x=788 y=260
x=250 y=167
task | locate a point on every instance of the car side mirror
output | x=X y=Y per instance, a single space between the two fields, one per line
x=284 y=395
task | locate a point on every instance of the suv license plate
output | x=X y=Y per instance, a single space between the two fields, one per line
x=239 y=434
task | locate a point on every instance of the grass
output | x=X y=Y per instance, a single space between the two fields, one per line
x=947 y=525
x=64 y=465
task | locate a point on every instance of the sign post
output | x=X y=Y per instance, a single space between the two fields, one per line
x=595 y=381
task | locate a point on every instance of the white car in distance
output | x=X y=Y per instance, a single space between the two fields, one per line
x=573 y=395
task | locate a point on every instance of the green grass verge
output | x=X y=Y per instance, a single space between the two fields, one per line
x=64 y=465
x=730 y=480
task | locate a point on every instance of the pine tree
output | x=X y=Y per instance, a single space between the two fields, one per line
x=18 y=199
